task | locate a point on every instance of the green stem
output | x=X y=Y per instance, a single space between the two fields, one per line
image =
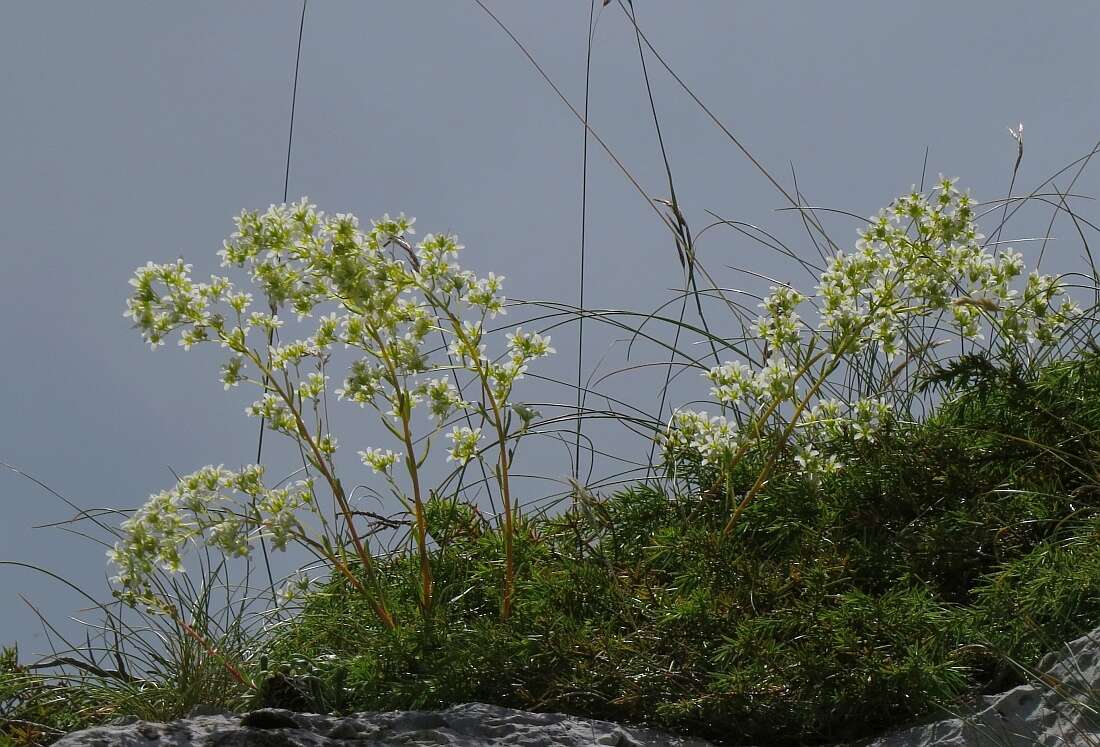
x=766 y=472
x=421 y=518
x=403 y=399
x=503 y=461
x=378 y=604
x=509 y=560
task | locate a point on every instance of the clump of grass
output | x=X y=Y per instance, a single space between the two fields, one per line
x=153 y=668
x=37 y=710
x=837 y=609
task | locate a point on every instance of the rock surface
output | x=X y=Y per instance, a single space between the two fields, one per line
x=1062 y=709
x=470 y=725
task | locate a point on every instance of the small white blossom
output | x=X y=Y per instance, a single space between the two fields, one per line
x=380 y=460
x=733 y=382
x=465 y=443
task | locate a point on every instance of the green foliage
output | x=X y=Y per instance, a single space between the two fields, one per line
x=906 y=583
x=155 y=672
x=35 y=711
x=810 y=571
x=836 y=609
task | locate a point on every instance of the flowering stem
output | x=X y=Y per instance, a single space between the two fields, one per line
x=766 y=472
x=771 y=408
x=421 y=519
x=403 y=406
x=503 y=461
x=509 y=562
x=379 y=603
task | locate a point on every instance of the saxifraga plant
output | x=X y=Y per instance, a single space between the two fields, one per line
x=390 y=297
x=918 y=263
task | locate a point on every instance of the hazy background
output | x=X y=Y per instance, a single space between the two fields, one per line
x=133 y=131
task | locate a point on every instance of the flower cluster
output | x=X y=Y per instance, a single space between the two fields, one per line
x=393 y=295
x=781 y=326
x=523 y=347
x=924 y=257
x=465 y=442
x=221 y=508
x=443 y=398
x=380 y=460
x=735 y=383
x=921 y=258
x=713 y=440
x=485 y=294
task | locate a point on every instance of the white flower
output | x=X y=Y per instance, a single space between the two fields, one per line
x=732 y=382
x=313 y=386
x=443 y=397
x=295 y=588
x=380 y=460
x=465 y=442
x=776 y=377
x=529 y=345
x=710 y=438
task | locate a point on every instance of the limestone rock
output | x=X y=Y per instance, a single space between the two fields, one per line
x=469 y=725
x=1062 y=707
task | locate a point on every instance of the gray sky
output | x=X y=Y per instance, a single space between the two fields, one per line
x=134 y=131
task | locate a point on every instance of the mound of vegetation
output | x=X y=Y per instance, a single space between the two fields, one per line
x=837 y=608
x=816 y=564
